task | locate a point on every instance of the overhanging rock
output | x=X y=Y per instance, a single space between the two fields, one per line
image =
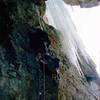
x=83 y=3
x=88 y=3
x=72 y=2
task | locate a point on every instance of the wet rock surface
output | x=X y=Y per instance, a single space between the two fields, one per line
x=20 y=74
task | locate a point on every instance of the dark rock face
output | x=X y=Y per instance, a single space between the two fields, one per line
x=37 y=39
x=22 y=34
x=5 y=23
x=20 y=74
x=21 y=77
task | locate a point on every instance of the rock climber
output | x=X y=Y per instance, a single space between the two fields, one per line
x=43 y=63
x=53 y=62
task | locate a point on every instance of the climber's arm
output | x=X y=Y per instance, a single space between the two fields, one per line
x=44 y=62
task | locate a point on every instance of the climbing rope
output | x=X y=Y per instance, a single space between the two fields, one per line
x=44 y=80
x=41 y=93
x=42 y=28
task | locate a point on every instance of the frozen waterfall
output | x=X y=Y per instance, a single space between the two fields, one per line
x=59 y=16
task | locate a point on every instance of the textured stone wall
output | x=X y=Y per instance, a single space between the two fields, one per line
x=20 y=74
